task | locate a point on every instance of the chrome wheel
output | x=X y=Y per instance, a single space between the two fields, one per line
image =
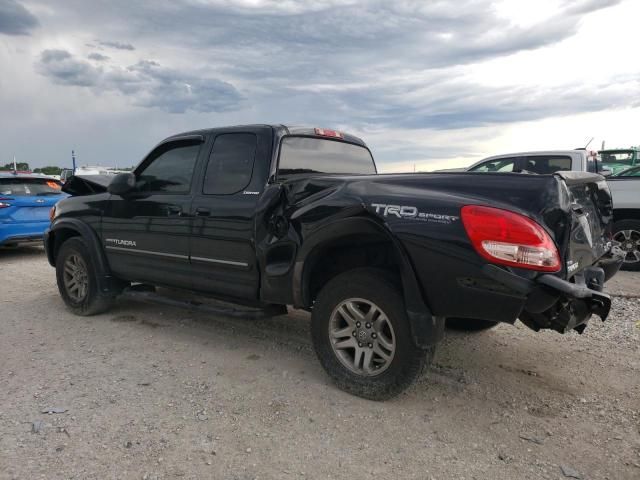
x=629 y=243
x=362 y=337
x=76 y=278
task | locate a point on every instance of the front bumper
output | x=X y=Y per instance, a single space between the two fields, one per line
x=558 y=304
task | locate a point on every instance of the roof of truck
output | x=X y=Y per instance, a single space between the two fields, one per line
x=283 y=129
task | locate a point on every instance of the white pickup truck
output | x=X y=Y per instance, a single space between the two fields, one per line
x=625 y=188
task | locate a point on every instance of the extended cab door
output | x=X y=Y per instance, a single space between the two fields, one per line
x=146 y=232
x=223 y=257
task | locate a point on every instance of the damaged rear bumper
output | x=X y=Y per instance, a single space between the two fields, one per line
x=562 y=305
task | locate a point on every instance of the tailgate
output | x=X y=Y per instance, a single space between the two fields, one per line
x=591 y=219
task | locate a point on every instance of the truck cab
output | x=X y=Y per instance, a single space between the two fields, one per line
x=619 y=160
x=540 y=162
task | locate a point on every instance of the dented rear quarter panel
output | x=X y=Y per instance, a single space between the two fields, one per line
x=421 y=213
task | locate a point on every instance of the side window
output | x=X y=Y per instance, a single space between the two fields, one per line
x=231 y=163
x=546 y=164
x=498 y=165
x=171 y=171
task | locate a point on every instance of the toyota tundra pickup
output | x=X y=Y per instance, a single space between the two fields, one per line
x=270 y=215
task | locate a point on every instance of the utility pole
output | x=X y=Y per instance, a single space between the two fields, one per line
x=15 y=165
x=73 y=161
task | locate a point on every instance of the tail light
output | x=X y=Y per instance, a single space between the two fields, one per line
x=3 y=203
x=508 y=238
x=52 y=213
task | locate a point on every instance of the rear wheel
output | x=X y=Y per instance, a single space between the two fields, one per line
x=77 y=281
x=627 y=233
x=469 y=324
x=362 y=336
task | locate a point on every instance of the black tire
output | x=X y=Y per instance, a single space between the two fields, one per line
x=408 y=360
x=631 y=229
x=92 y=302
x=469 y=324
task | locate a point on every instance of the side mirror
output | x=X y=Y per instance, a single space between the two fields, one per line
x=122 y=184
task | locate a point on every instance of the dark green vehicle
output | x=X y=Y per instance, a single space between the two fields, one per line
x=620 y=159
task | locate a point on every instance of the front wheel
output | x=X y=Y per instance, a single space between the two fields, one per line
x=362 y=336
x=77 y=280
x=627 y=233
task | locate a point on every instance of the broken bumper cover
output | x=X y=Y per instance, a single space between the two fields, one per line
x=562 y=305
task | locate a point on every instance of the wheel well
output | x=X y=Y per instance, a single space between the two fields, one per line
x=626 y=214
x=59 y=237
x=348 y=253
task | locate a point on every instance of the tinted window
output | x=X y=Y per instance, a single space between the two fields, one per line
x=547 y=164
x=299 y=155
x=171 y=171
x=497 y=165
x=29 y=186
x=231 y=163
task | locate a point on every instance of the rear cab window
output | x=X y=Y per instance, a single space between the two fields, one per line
x=547 y=164
x=29 y=186
x=300 y=155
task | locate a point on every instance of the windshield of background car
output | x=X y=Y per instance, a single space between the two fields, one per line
x=305 y=155
x=625 y=158
x=29 y=186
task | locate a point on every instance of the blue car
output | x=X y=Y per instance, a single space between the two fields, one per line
x=25 y=202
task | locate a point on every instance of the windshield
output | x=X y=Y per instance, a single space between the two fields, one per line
x=304 y=155
x=624 y=158
x=29 y=186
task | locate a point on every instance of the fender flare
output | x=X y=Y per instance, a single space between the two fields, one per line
x=426 y=329
x=90 y=237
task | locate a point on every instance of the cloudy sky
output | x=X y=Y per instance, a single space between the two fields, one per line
x=434 y=84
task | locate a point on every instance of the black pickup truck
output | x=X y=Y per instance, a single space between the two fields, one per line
x=270 y=215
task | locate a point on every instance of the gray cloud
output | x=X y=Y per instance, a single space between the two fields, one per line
x=64 y=69
x=15 y=19
x=147 y=83
x=447 y=102
x=117 y=45
x=98 y=57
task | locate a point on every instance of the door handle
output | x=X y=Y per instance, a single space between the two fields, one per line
x=202 y=212
x=173 y=210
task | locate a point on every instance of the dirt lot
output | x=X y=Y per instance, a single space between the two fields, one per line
x=158 y=392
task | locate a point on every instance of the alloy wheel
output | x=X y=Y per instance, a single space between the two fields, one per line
x=76 y=278
x=629 y=243
x=362 y=337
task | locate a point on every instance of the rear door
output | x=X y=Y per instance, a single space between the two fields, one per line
x=223 y=257
x=146 y=232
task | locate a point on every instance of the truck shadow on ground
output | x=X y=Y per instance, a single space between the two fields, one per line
x=465 y=364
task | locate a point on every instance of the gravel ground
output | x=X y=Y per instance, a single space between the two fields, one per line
x=150 y=392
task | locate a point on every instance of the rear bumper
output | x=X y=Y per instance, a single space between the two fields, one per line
x=558 y=304
x=26 y=232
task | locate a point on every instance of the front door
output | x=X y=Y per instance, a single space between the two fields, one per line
x=146 y=232
x=223 y=255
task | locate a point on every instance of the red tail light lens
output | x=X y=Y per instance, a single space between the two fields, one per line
x=508 y=238
x=4 y=204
